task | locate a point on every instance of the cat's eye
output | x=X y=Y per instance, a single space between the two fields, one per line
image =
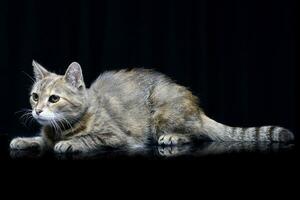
x=54 y=98
x=35 y=96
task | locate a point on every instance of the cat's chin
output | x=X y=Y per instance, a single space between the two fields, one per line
x=43 y=122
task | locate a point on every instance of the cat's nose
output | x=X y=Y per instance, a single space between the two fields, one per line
x=38 y=111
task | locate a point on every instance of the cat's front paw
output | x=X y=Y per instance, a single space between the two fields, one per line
x=67 y=147
x=63 y=147
x=24 y=144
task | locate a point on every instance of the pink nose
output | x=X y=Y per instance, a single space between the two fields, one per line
x=38 y=111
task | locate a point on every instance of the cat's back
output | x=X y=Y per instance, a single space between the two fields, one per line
x=137 y=81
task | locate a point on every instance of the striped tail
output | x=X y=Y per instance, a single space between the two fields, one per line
x=220 y=132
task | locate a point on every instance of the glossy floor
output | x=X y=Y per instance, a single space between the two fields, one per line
x=196 y=151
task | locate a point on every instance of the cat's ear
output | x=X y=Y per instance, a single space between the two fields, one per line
x=74 y=75
x=39 y=71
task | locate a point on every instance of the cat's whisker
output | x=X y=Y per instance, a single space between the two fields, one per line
x=25 y=117
x=53 y=125
x=28 y=120
x=23 y=110
x=61 y=124
x=69 y=124
x=31 y=120
x=30 y=77
x=25 y=114
x=58 y=126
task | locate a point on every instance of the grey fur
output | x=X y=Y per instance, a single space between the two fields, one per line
x=125 y=108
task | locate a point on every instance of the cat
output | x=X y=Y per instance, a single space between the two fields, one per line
x=124 y=108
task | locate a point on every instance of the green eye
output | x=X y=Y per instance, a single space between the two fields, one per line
x=35 y=96
x=54 y=98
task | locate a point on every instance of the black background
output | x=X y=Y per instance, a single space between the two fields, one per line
x=239 y=57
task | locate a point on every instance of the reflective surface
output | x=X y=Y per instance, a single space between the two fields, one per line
x=195 y=151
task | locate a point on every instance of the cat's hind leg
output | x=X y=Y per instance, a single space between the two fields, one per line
x=171 y=139
x=20 y=143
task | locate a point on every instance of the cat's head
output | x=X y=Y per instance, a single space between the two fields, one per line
x=56 y=98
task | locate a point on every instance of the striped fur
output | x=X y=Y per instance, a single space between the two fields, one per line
x=222 y=132
x=124 y=108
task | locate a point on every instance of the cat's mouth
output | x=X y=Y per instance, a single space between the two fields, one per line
x=44 y=119
x=39 y=118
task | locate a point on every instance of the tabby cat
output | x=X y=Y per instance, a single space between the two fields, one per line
x=124 y=108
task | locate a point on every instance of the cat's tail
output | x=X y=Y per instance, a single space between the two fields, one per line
x=220 y=132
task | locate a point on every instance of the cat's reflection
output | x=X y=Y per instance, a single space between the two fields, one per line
x=203 y=149
x=27 y=154
x=218 y=148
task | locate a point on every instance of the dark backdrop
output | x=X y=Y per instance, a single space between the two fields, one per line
x=237 y=56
